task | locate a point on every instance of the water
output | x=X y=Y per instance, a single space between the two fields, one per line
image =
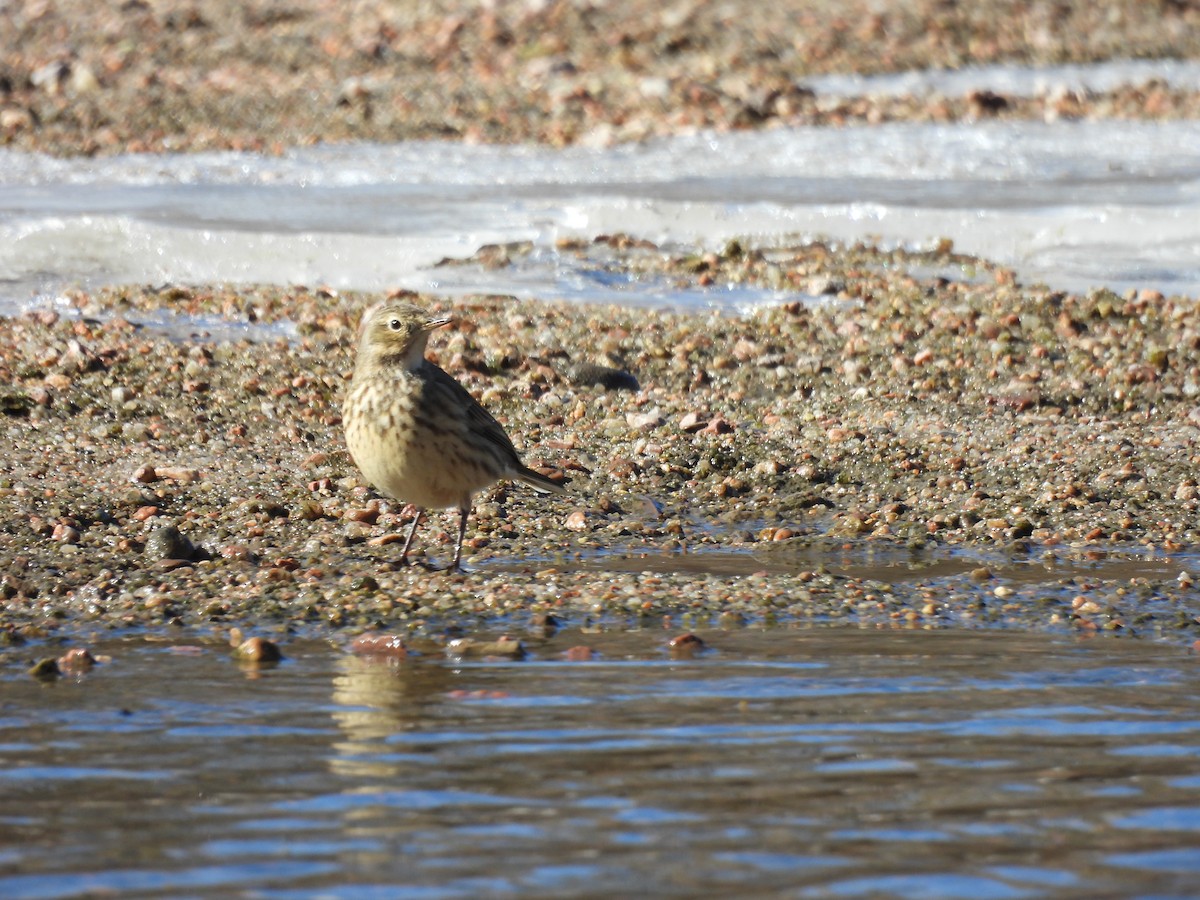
x=817 y=763
x=1124 y=214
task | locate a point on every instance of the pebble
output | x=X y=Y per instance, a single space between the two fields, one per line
x=76 y=661
x=685 y=646
x=168 y=543
x=502 y=648
x=375 y=644
x=796 y=460
x=589 y=374
x=645 y=421
x=259 y=650
x=144 y=475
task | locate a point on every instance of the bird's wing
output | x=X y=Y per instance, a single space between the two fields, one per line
x=480 y=420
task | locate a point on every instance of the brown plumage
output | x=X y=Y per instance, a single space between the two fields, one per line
x=416 y=434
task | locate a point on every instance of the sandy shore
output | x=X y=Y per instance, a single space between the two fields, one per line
x=920 y=451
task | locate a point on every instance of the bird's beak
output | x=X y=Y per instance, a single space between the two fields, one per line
x=436 y=322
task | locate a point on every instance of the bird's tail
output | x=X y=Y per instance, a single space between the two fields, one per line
x=537 y=480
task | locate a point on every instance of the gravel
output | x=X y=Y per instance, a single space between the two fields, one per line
x=910 y=451
x=182 y=75
x=894 y=448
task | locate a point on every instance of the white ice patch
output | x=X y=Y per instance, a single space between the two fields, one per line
x=1073 y=204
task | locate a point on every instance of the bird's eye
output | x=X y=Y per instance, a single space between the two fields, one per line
x=394 y=324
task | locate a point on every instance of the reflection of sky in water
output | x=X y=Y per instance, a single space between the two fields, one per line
x=810 y=760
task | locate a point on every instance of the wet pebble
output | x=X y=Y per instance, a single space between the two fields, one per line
x=168 y=543
x=258 y=650
x=76 y=661
x=501 y=648
x=589 y=374
x=374 y=644
x=45 y=669
x=685 y=646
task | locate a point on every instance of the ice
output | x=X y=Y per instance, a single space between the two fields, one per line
x=1015 y=81
x=1075 y=205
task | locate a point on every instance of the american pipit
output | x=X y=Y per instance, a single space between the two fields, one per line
x=416 y=433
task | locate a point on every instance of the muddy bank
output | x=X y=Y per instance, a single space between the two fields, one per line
x=918 y=408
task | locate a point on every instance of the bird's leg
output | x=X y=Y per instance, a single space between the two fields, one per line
x=412 y=533
x=463 y=512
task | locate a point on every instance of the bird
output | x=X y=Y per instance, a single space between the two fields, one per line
x=414 y=432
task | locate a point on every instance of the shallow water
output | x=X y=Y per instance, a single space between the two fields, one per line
x=809 y=763
x=1125 y=214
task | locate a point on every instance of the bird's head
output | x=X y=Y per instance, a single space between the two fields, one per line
x=393 y=333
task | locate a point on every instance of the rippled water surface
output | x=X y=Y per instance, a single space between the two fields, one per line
x=816 y=763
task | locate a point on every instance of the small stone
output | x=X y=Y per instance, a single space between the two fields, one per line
x=309 y=511
x=502 y=648
x=50 y=76
x=136 y=433
x=83 y=80
x=654 y=87
x=374 y=644
x=178 y=473
x=823 y=284
x=259 y=650
x=602 y=376
x=239 y=552
x=167 y=543
x=685 y=646
x=731 y=619
x=76 y=661
x=768 y=467
x=144 y=475
x=45 y=669
x=13 y=119
x=383 y=540
x=645 y=421
x=576 y=520
x=66 y=534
